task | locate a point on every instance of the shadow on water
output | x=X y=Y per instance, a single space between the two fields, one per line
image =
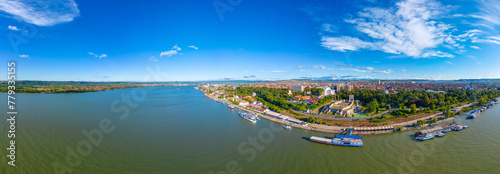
x=306 y=138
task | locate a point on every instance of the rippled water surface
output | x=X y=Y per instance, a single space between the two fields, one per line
x=179 y=130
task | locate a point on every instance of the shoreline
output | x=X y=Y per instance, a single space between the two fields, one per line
x=339 y=129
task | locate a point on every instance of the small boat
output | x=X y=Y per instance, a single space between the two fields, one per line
x=465 y=126
x=457 y=128
x=257 y=117
x=230 y=106
x=440 y=134
x=425 y=137
x=247 y=117
x=287 y=127
x=446 y=130
x=473 y=114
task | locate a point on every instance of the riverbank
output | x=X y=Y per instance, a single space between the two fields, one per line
x=340 y=129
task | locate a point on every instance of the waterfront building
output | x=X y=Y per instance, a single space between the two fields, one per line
x=243 y=103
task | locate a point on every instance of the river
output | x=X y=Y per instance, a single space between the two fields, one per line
x=179 y=130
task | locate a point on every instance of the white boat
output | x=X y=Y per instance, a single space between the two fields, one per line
x=425 y=137
x=287 y=127
x=230 y=106
x=248 y=117
x=440 y=134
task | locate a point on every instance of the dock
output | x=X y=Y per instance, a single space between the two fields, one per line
x=340 y=140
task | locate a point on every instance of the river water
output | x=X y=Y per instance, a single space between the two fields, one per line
x=179 y=130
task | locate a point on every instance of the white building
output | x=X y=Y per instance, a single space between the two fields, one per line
x=243 y=103
x=298 y=88
x=327 y=91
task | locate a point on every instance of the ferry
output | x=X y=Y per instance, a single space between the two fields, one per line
x=287 y=127
x=340 y=140
x=248 y=117
x=230 y=106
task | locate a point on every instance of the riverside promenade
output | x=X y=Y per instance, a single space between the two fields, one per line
x=338 y=129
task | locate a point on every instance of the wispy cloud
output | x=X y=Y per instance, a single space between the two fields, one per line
x=24 y=56
x=335 y=77
x=194 y=47
x=41 y=13
x=328 y=27
x=344 y=43
x=489 y=39
x=475 y=47
x=356 y=69
x=13 y=28
x=153 y=59
x=277 y=71
x=489 y=12
x=451 y=63
x=171 y=52
x=437 y=54
x=250 y=76
x=409 y=29
x=99 y=56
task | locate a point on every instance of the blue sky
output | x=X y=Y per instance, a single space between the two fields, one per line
x=252 y=40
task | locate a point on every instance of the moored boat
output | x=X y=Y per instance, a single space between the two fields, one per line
x=230 y=106
x=287 y=127
x=425 y=137
x=440 y=134
x=340 y=140
x=248 y=117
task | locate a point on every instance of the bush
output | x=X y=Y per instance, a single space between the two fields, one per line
x=377 y=120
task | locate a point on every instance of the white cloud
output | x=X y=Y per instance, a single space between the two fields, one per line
x=344 y=43
x=41 y=13
x=356 y=69
x=96 y=55
x=489 y=39
x=448 y=62
x=475 y=47
x=489 y=12
x=153 y=59
x=328 y=27
x=168 y=53
x=24 y=56
x=194 y=47
x=13 y=28
x=176 y=48
x=437 y=54
x=277 y=71
x=172 y=52
x=409 y=29
x=403 y=70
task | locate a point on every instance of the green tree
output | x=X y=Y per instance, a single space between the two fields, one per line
x=413 y=108
x=421 y=122
x=312 y=119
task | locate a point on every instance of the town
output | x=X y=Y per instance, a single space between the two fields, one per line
x=365 y=106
